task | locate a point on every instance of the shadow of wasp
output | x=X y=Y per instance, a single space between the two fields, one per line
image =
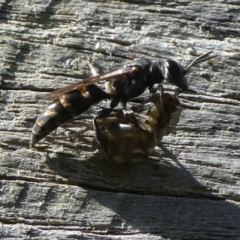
x=122 y=85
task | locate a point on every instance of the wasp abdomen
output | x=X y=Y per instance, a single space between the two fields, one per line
x=67 y=107
x=53 y=116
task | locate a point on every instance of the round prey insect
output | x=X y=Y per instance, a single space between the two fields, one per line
x=129 y=136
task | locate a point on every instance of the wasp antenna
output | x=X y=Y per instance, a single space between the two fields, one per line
x=200 y=59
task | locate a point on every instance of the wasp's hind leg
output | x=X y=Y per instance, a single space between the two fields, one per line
x=105 y=111
x=95 y=70
x=101 y=141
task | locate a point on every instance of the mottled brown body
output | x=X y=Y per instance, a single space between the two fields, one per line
x=125 y=138
x=169 y=115
x=67 y=107
x=120 y=140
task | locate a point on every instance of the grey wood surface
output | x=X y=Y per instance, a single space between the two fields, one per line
x=189 y=189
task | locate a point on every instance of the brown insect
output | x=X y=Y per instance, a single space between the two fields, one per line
x=126 y=136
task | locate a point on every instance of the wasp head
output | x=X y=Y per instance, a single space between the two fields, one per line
x=175 y=73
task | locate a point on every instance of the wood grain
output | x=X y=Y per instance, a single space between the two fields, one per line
x=189 y=189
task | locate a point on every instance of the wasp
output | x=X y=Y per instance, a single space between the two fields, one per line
x=124 y=83
x=129 y=136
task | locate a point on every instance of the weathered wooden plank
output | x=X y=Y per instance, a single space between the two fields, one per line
x=45 y=45
x=37 y=206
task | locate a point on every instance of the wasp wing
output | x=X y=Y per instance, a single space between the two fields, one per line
x=112 y=75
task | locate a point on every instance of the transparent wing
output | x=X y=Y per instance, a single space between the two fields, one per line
x=109 y=76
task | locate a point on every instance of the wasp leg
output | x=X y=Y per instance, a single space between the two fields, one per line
x=104 y=113
x=87 y=128
x=92 y=68
x=100 y=140
x=95 y=68
x=129 y=114
x=155 y=87
x=114 y=102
